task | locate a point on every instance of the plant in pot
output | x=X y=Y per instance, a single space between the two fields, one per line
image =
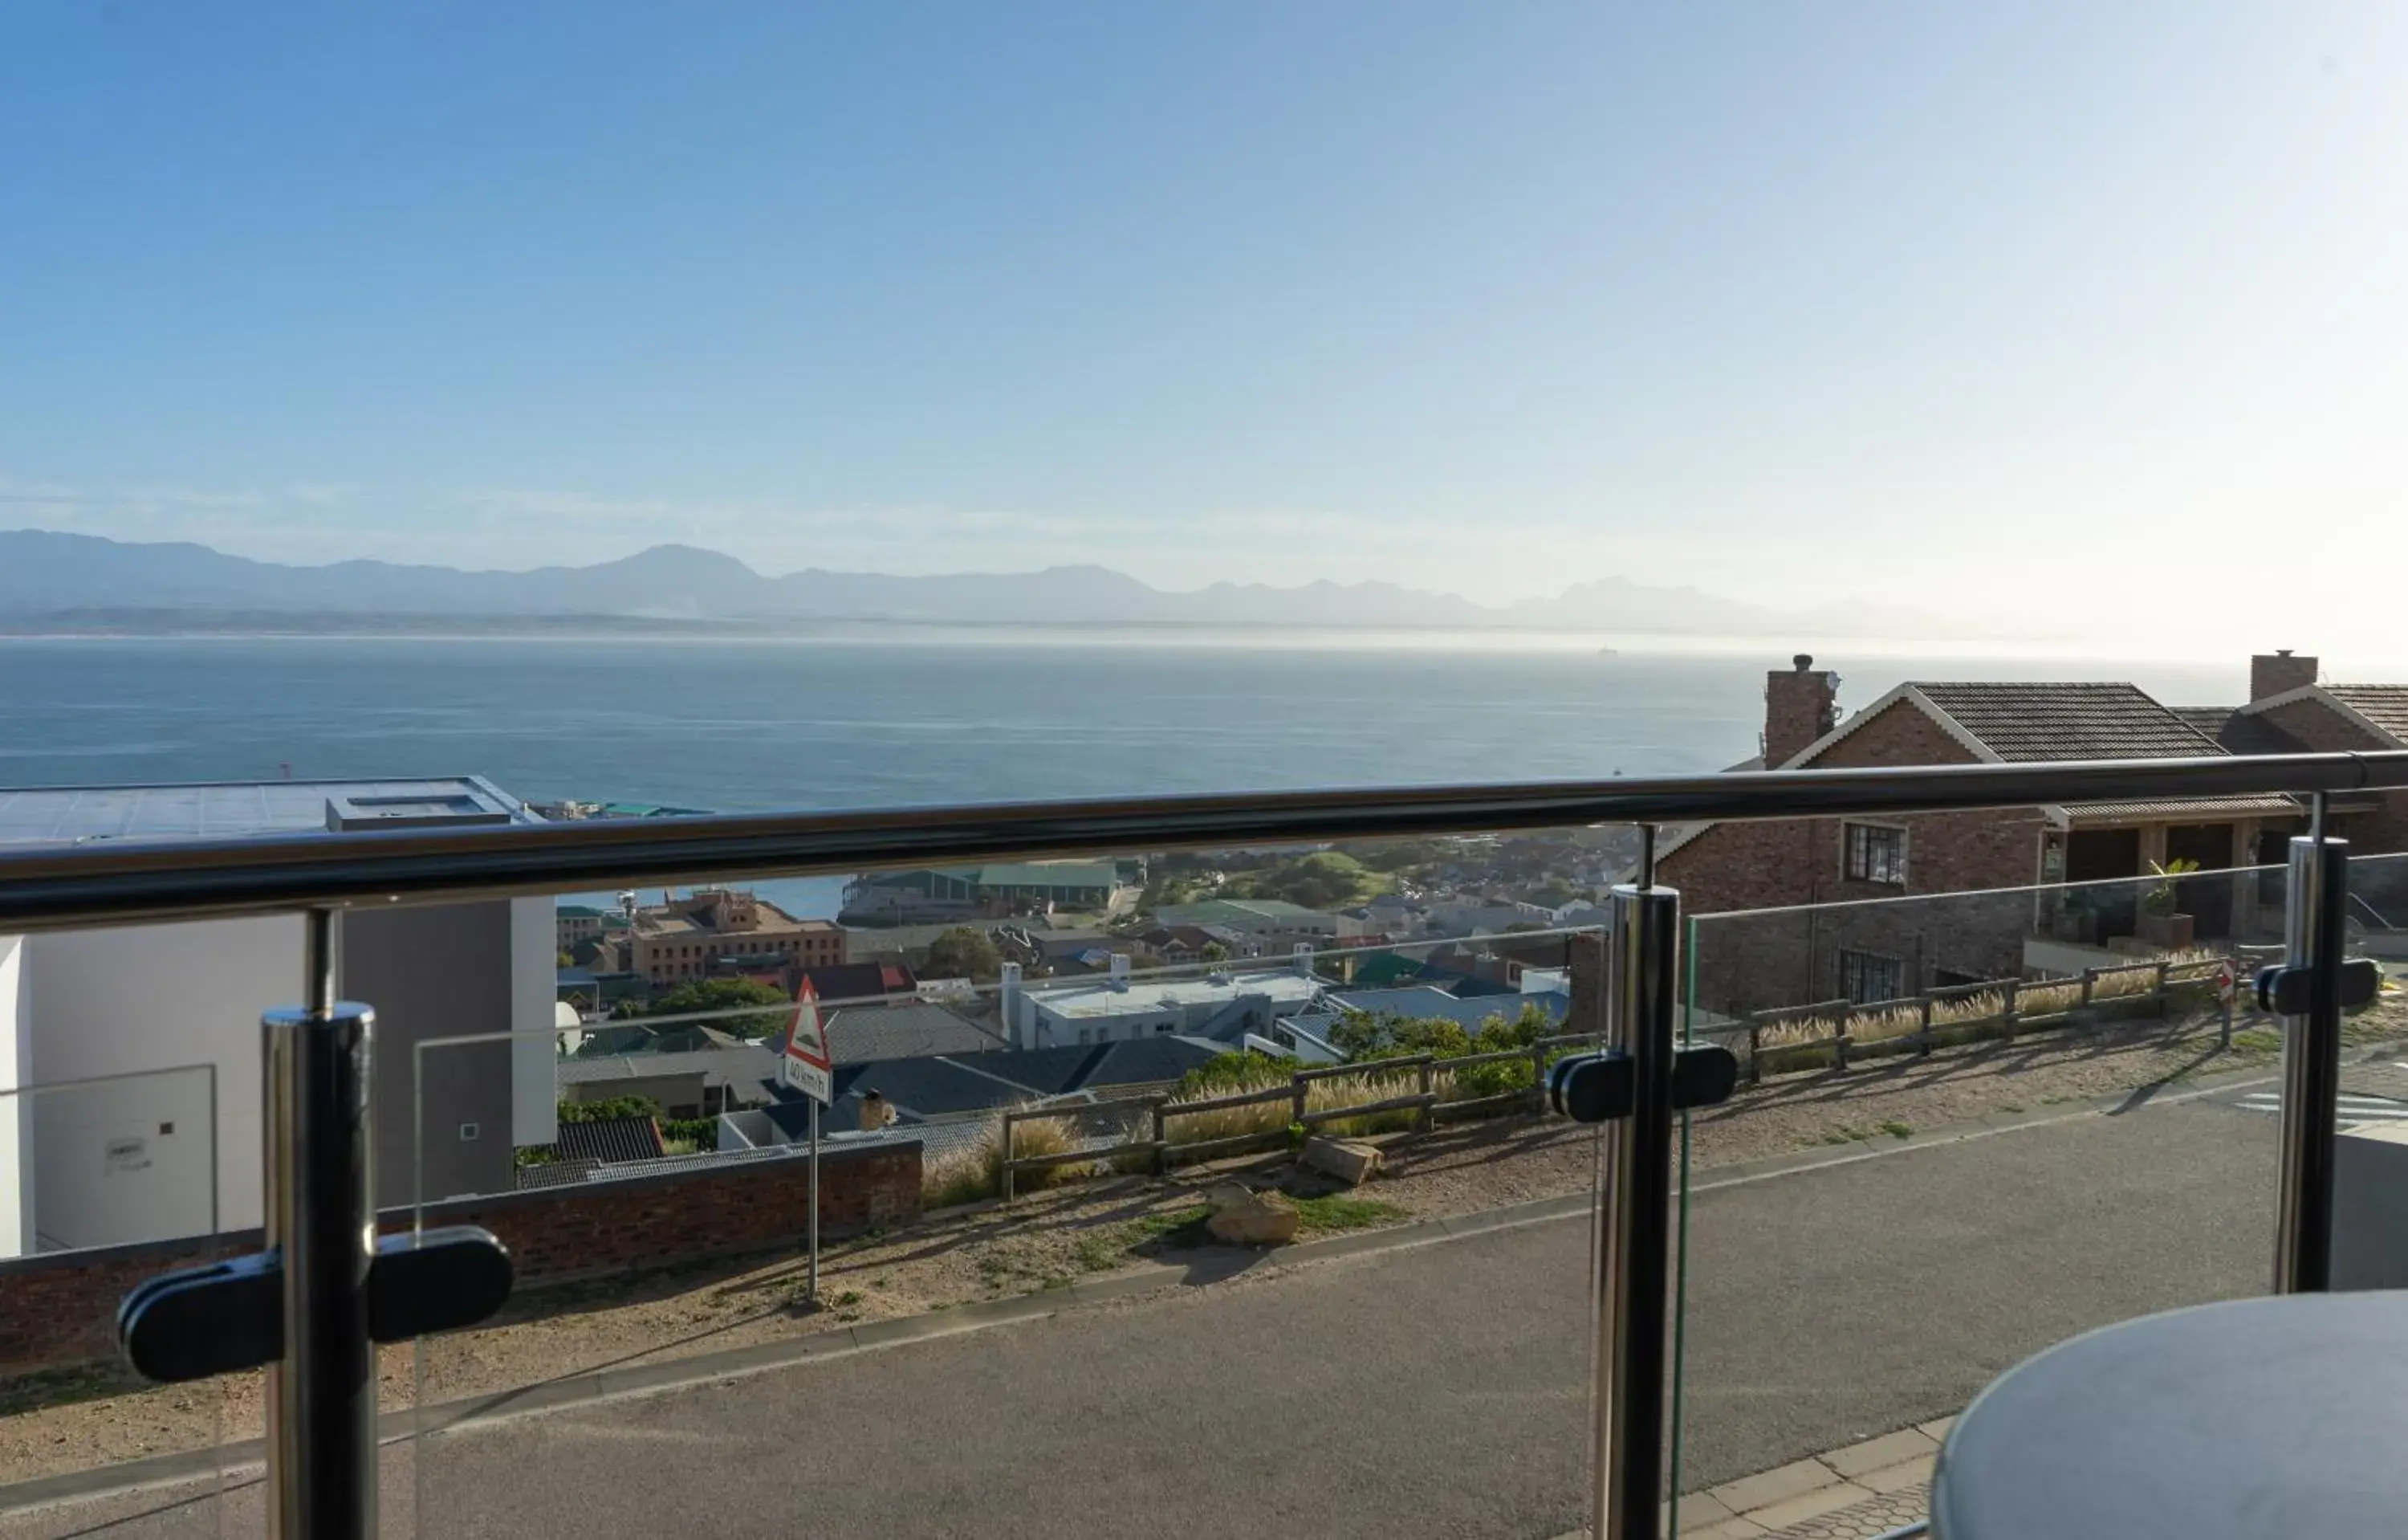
x=2076 y=918
x=2162 y=924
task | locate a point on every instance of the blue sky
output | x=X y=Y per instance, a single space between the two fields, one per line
x=2052 y=311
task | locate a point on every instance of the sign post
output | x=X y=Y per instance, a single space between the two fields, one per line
x=2226 y=982
x=808 y=1068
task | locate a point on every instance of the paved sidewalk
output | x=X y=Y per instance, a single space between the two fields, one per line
x=1854 y=1494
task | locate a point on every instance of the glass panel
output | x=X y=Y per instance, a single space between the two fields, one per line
x=105 y=1183
x=2370 y=1176
x=1969 y=1127
x=1087 y=1349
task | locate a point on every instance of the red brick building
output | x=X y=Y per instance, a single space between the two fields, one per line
x=718 y=932
x=1865 y=940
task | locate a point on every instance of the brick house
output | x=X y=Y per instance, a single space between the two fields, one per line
x=1859 y=943
x=2290 y=711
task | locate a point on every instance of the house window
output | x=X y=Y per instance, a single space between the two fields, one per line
x=1867 y=978
x=1876 y=853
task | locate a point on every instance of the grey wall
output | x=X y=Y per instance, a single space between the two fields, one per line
x=437 y=972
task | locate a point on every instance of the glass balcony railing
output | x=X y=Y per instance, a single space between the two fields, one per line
x=1098 y=1242
x=1022 y=1294
x=109 y=1179
x=1960 y=1138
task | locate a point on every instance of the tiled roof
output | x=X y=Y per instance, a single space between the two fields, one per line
x=608 y=1139
x=2385 y=705
x=929 y=1086
x=2235 y=732
x=2021 y=722
x=2206 y=810
x=905 y=1030
x=2025 y=723
x=746 y=1071
x=833 y=982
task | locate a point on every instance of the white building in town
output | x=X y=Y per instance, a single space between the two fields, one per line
x=130 y=1064
x=1118 y=1006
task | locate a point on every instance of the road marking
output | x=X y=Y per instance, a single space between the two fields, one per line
x=2351 y=1109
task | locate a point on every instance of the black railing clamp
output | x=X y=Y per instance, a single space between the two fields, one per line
x=2283 y=991
x=1602 y=1087
x=227 y=1316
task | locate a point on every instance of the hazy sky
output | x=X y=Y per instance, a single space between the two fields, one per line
x=2091 y=315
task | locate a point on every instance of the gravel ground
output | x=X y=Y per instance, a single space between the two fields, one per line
x=86 y=1418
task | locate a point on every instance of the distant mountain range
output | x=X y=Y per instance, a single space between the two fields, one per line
x=85 y=582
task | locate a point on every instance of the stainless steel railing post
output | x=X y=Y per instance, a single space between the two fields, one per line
x=321 y=1223
x=2318 y=938
x=1634 y=1259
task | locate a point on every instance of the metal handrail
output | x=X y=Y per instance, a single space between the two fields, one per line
x=102 y=882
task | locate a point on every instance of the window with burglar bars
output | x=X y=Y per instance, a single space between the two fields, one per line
x=1876 y=853
x=1867 y=978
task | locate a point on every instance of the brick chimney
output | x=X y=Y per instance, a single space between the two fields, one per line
x=2272 y=673
x=1800 y=707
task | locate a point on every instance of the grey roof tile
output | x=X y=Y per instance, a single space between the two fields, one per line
x=905 y=1030
x=2236 y=733
x=2385 y=705
x=2020 y=722
x=609 y=1138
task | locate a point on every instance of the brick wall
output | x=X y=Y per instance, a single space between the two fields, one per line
x=1799 y=706
x=61 y=1308
x=2273 y=673
x=1765 y=961
x=2320 y=729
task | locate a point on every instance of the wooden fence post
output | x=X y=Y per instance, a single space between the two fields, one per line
x=1301 y=1084
x=2090 y=985
x=1840 y=1035
x=1754 y=1047
x=1429 y=1111
x=2013 y=992
x=1161 y=1137
x=2158 y=986
x=1923 y=1032
x=1004 y=1164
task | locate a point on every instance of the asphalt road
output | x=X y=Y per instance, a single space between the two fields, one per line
x=1439 y=1389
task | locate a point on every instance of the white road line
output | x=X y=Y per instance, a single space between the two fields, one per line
x=2353 y=1109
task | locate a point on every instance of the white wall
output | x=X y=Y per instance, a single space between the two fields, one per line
x=122 y=1159
x=16 y=1136
x=151 y=996
x=534 y=1055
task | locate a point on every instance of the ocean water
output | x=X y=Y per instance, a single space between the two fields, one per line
x=887 y=721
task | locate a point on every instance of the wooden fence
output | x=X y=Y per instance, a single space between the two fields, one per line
x=2021 y=1006
x=1149 y=1121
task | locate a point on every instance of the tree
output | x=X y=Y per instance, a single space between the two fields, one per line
x=963 y=953
x=1214 y=952
x=1325 y=879
x=699 y=995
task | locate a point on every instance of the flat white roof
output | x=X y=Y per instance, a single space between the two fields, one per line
x=226 y=810
x=1092 y=998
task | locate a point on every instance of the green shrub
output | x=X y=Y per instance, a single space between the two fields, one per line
x=1227 y=1075
x=602 y=1111
x=701 y=1132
